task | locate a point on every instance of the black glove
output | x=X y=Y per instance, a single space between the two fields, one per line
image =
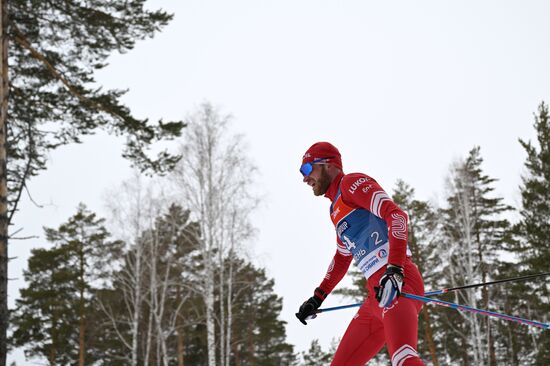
x=389 y=286
x=310 y=306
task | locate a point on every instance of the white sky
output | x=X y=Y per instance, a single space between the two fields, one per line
x=400 y=87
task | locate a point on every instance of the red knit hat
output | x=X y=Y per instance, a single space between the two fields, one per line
x=323 y=150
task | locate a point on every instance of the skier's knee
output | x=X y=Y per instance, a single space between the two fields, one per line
x=406 y=356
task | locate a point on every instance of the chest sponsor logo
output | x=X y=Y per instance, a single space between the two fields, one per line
x=373 y=261
x=342 y=228
x=382 y=253
x=356 y=184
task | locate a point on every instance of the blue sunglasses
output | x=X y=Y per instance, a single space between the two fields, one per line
x=307 y=168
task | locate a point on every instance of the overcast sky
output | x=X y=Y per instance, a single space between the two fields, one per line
x=402 y=88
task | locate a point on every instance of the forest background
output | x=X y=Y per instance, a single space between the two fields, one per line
x=405 y=91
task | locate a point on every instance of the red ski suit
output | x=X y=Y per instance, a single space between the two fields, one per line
x=373 y=327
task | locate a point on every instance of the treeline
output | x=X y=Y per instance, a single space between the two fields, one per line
x=166 y=280
x=473 y=237
x=94 y=299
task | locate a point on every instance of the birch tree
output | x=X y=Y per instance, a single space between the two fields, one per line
x=170 y=266
x=214 y=181
x=474 y=230
x=133 y=210
x=156 y=274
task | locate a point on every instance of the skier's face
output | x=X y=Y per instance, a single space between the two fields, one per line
x=319 y=179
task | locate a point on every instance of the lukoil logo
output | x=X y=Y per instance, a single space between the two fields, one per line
x=356 y=184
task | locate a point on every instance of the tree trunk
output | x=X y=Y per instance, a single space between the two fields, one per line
x=181 y=346
x=82 y=350
x=465 y=346
x=229 y=312
x=426 y=310
x=222 y=308
x=210 y=329
x=82 y=315
x=137 y=288
x=429 y=335
x=4 y=90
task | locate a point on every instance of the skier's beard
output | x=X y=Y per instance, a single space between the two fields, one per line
x=322 y=183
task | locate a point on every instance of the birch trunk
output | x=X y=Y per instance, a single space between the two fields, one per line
x=210 y=327
x=222 y=307
x=212 y=181
x=137 y=295
x=465 y=267
x=229 y=314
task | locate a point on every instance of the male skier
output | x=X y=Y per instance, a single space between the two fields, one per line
x=372 y=230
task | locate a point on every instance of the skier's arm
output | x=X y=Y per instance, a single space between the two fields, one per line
x=337 y=268
x=362 y=191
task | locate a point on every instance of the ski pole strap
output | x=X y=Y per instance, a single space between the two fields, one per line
x=477 y=311
x=522 y=278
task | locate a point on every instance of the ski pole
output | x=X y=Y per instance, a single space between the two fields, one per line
x=477 y=311
x=522 y=278
x=452 y=306
x=445 y=290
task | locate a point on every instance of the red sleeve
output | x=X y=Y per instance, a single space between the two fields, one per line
x=360 y=190
x=336 y=270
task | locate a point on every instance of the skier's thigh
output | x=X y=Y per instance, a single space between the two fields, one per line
x=362 y=340
x=401 y=332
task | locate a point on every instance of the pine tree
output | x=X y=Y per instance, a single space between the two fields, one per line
x=85 y=254
x=259 y=334
x=532 y=242
x=424 y=235
x=45 y=322
x=85 y=240
x=315 y=355
x=49 y=52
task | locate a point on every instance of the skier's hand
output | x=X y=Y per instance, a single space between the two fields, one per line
x=310 y=306
x=390 y=285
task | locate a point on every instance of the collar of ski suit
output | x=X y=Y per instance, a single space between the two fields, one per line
x=334 y=185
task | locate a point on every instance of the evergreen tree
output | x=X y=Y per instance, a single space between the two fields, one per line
x=84 y=255
x=532 y=243
x=91 y=254
x=167 y=307
x=50 y=51
x=45 y=321
x=315 y=355
x=259 y=334
x=424 y=236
